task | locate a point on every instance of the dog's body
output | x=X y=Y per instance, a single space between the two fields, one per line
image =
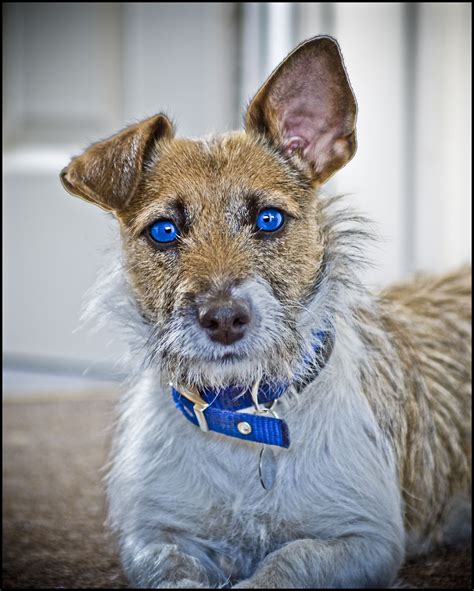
x=380 y=437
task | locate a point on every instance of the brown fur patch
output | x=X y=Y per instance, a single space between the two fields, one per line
x=426 y=326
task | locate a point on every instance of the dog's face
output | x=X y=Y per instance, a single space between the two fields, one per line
x=221 y=236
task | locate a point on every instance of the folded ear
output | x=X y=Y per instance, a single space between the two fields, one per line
x=307 y=107
x=108 y=172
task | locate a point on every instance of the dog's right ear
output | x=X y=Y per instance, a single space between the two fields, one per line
x=108 y=172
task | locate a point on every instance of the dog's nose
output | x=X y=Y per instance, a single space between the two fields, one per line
x=225 y=321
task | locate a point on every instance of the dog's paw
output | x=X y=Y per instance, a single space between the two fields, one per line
x=164 y=566
x=265 y=580
x=181 y=584
x=251 y=584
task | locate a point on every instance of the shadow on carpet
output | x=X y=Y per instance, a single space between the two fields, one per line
x=54 y=507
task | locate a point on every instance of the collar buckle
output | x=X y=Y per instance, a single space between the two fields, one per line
x=200 y=405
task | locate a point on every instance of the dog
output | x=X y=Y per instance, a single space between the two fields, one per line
x=283 y=427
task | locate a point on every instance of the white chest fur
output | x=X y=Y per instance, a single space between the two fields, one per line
x=337 y=478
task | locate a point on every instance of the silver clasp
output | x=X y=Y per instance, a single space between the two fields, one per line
x=199 y=407
x=254 y=394
x=258 y=407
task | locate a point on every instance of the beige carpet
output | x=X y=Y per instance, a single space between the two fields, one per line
x=53 y=503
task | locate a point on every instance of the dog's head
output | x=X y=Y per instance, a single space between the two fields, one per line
x=221 y=236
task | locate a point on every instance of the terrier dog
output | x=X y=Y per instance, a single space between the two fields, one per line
x=285 y=428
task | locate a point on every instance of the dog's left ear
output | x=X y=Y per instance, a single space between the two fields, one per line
x=307 y=107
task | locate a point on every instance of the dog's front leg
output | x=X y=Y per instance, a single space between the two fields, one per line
x=350 y=562
x=163 y=566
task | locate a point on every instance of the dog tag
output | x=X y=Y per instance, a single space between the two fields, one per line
x=267 y=467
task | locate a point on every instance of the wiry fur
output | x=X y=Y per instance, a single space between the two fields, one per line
x=380 y=439
x=359 y=462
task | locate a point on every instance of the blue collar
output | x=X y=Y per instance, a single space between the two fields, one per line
x=218 y=410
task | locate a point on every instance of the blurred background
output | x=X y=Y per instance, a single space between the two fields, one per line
x=77 y=72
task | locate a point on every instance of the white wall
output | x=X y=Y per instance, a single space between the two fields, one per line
x=443 y=136
x=410 y=68
x=75 y=72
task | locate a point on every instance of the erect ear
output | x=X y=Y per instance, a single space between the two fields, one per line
x=307 y=107
x=108 y=172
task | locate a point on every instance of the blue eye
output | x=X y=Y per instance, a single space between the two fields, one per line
x=270 y=220
x=163 y=231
